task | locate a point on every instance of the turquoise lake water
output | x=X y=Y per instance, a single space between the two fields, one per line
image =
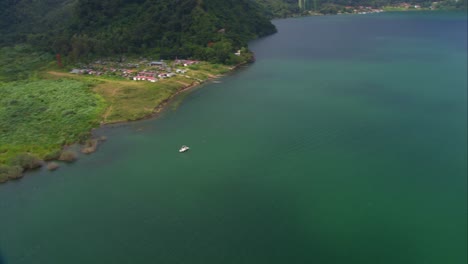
x=344 y=143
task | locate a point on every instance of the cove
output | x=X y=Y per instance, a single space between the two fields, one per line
x=344 y=143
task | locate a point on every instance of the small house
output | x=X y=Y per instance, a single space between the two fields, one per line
x=157 y=63
x=76 y=71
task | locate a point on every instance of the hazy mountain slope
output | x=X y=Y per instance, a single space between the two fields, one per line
x=84 y=28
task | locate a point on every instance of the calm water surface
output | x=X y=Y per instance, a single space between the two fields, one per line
x=344 y=143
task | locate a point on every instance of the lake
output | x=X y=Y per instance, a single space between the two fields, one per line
x=345 y=142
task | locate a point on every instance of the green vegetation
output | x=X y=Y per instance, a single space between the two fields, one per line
x=452 y=5
x=26 y=161
x=40 y=117
x=21 y=62
x=10 y=173
x=68 y=156
x=45 y=108
x=280 y=8
x=209 y=30
x=130 y=100
x=81 y=30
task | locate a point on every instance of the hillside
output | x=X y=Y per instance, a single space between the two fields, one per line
x=279 y=8
x=203 y=29
x=29 y=20
x=46 y=107
x=207 y=30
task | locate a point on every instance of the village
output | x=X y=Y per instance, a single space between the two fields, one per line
x=142 y=70
x=362 y=10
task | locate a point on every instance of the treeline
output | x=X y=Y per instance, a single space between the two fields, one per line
x=279 y=8
x=84 y=29
x=453 y=5
x=202 y=29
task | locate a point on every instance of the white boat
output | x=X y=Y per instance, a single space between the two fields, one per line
x=183 y=149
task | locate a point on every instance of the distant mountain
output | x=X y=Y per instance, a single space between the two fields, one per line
x=204 y=29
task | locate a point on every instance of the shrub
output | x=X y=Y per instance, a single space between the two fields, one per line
x=10 y=173
x=68 y=156
x=26 y=161
x=90 y=146
x=4 y=173
x=52 y=155
x=15 y=172
x=52 y=166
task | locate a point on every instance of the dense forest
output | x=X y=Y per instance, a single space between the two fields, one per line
x=279 y=8
x=203 y=29
x=83 y=29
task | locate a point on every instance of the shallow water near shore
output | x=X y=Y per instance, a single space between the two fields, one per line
x=344 y=143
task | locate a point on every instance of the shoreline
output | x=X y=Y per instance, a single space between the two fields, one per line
x=163 y=104
x=93 y=141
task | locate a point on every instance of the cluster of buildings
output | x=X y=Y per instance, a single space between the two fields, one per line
x=408 y=6
x=362 y=10
x=150 y=71
x=314 y=7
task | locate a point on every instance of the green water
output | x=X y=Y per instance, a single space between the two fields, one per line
x=344 y=143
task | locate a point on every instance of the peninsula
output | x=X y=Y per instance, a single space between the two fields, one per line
x=69 y=66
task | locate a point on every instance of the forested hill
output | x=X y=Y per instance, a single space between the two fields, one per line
x=81 y=29
x=279 y=8
x=203 y=29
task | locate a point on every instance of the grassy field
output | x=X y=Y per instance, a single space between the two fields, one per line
x=40 y=117
x=131 y=100
x=51 y=108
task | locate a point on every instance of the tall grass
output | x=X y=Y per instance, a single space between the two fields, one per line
x=40 y=117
